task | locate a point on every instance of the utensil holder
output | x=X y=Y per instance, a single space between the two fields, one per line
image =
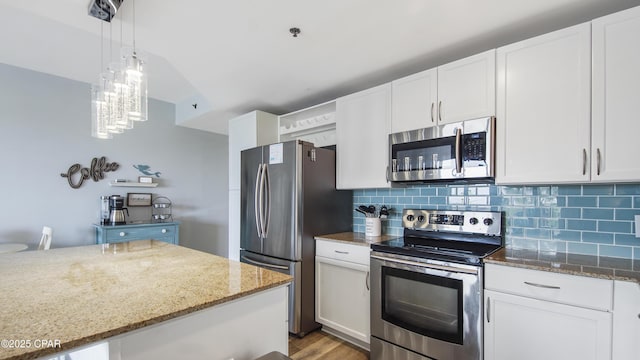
x=373 y=227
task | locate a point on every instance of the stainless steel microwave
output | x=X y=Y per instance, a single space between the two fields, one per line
x=462 y=151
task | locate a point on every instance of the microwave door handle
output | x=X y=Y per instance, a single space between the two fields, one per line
x=458 y=150
x=256 y=201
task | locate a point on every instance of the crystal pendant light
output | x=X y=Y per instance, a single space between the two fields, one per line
x=135 y=78
x=120 y=97
x=136 y=82
x=98 y=120
x=111 y=102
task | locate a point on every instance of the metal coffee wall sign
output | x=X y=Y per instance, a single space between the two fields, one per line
x=77 y=174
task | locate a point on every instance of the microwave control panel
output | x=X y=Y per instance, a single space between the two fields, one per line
x=474 y=146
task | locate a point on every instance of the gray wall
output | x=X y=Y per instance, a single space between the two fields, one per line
x=45 y=127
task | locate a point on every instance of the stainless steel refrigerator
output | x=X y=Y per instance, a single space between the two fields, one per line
x=288 y=196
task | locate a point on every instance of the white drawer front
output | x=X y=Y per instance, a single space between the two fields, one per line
x=562 y=288
x=358 y=254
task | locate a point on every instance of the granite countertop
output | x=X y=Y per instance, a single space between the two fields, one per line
x=573 y=264
x=355 y=238
x=84 y=294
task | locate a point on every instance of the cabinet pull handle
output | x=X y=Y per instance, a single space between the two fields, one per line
x=542 y=286
x=432 y=106
x=584 y=161
x=598 y=160
x=122 y=233
x=367 y=282
x=440 y=111
x=341 y=252
x=488 y=310
x=164 y=231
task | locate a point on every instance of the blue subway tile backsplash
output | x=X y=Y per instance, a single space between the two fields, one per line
x=580 y=219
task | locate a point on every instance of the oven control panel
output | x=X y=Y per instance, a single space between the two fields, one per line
x=474 y=222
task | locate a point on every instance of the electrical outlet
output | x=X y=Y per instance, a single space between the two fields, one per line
x=638 y=226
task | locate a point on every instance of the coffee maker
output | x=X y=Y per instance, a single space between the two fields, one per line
x=117 y=210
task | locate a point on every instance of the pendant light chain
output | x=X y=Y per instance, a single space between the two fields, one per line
x=101 y=46
x=110 y=42
x=134 y=26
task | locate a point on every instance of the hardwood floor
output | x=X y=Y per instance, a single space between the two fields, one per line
x=320 y=345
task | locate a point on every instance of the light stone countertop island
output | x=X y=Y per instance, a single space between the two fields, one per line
x=146 y=298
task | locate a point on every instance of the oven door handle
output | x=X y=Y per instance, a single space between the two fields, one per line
x=427 y=266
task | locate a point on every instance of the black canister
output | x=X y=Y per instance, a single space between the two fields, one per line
x=116 y=202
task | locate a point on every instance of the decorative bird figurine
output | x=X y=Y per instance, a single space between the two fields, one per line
x=145 y=170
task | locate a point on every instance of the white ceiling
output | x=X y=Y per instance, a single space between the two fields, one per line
x=239 y=56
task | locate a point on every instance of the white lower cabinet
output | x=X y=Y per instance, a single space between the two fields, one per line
x=342 y=290
x=626 y=321
x=528 y=316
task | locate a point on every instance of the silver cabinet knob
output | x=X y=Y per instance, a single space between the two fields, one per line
x=164 y=231
x=122 y=233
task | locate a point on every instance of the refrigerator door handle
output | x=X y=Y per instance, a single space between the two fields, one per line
x=262 y=201
x=256 y=204
x=263 y=264
x=267 y=206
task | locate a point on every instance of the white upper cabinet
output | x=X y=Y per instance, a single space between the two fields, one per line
x=616 y=97
x=362 y=128
x=245 y=132
x=544 y=108
x=467 y=88
x=460 y=90
x=414 y=101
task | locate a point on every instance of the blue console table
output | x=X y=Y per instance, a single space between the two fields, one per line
x=167 y=232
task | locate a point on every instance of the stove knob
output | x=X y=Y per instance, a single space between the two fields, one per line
x=473 y=221
x=420 y=218
x=488 y=221
x=410 y=217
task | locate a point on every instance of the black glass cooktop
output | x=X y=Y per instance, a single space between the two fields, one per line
x=458 y=251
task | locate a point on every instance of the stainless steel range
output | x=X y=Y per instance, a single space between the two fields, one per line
x=426 y=287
